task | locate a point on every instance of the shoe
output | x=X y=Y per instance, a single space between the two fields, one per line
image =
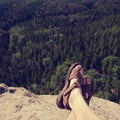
x=62 y=100
x=59 y=100
x=86 y=87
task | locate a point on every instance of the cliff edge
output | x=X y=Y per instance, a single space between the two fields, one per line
x=20 y=104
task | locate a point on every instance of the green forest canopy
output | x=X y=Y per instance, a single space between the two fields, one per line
x=40 y=39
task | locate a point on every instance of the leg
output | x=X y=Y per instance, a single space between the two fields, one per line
x=71 y=116
x=79 y=107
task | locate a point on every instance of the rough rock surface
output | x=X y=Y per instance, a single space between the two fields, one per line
x=20 y=104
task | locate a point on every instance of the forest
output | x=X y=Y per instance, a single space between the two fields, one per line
x=40 y=39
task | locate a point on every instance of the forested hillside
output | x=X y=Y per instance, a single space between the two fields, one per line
x=40 y=39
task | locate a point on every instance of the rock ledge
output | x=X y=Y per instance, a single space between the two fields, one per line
x=20 y=104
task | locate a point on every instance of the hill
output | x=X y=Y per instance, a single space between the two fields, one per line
x=11 y=14
x=20 y=104
x=40 y=39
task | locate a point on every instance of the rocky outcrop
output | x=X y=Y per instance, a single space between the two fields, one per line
x=20 y=104
x=3 y=88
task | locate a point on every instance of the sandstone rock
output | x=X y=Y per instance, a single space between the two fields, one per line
x=20 y=104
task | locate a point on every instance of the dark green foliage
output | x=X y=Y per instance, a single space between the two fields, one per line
x=39 y=39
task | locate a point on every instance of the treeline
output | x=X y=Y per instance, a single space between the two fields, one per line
x=39 y=40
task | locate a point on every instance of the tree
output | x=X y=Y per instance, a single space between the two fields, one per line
x=58 y=79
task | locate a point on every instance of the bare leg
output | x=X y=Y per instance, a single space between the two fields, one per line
x=80 y=110
x=71 y=116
